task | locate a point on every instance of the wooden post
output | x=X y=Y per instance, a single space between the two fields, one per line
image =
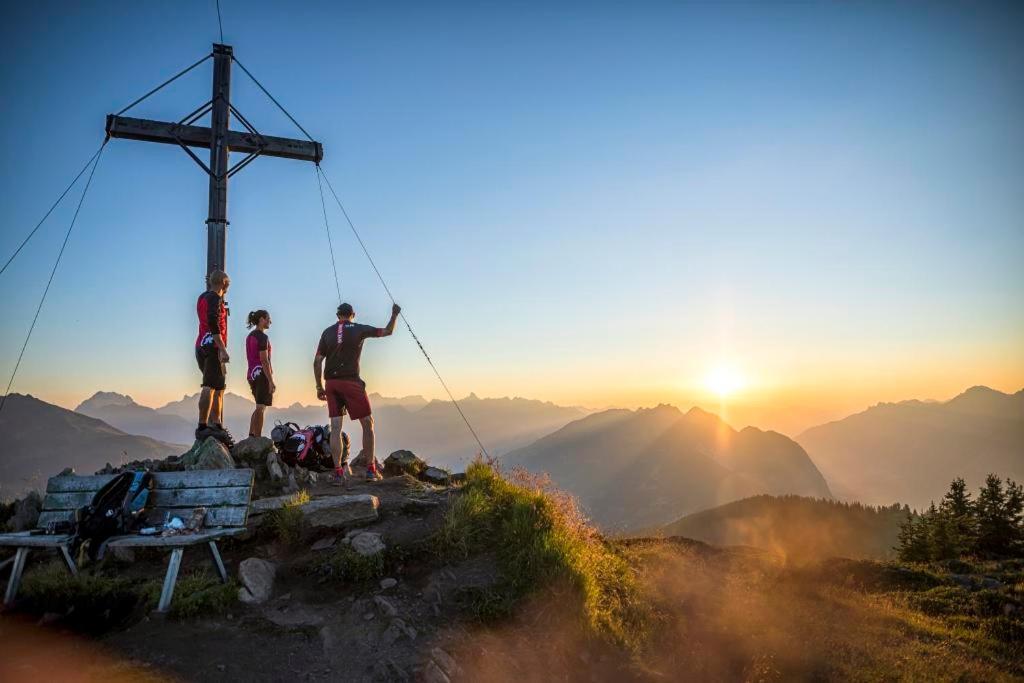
x=217 y=222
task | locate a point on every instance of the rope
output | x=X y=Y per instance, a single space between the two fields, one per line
x=327 y=229
x=260 y=85
x=405 y=320
x=165 y=83
x=53 y=272
x=220 y=24
x=43 y=219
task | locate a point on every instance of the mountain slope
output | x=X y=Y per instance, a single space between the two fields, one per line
x=907 y=451
x=799 y=528
x=41 y=439
x=639 y=469
x=124 y=413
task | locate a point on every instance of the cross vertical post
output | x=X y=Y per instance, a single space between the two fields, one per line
x=217 y=221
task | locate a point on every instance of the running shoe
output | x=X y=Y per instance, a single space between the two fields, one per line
x=222 y=435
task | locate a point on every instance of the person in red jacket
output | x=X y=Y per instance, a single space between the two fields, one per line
x=211 y=355
x=341 y=345
x=260 y=373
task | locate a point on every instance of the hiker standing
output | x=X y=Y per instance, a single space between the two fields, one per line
x=211 y=355
x=260 y=373
x=341 y=345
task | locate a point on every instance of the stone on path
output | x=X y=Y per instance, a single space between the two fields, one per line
x=444 y=660
x=387 y=583
x=367 y=543
x=432 y=674
x=274 y=470
x=257 y=577
x=385 y=606
x=339 y=511
x=435 y=475
x=208 y=454
x=403 y=462
x=324 y=543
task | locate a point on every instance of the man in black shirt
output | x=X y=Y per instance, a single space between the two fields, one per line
x=341 y=345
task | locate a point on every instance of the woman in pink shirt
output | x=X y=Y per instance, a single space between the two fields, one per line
x=260 y=373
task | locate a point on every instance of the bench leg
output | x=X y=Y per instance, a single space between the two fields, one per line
x=170 y=579
x=217 y=562
x=69 y=562
x=16 y=570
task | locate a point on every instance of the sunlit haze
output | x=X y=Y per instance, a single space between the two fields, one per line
x=785 y=213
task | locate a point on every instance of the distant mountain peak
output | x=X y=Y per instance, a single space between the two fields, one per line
x=102 y=399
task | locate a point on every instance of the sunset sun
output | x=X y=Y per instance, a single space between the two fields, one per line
x=724 y=380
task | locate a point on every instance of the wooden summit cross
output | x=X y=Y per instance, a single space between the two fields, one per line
x=220 y=140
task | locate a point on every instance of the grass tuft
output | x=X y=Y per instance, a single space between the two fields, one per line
x=541 y=540
x=346 y=564
x=286 y=523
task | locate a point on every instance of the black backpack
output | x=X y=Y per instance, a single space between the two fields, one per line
x=116 y=509
x=309 y=448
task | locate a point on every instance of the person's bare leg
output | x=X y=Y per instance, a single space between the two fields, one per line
x=368 y=443
x=256 y=421
x=337 y=445
x=217 y=408
x=205 y=403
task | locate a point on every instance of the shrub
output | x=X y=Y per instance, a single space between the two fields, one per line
x=541 y=540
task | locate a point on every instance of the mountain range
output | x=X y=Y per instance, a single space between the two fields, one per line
x=432 y=429
x=637 y=469
x=908 y=451
x=41 y=439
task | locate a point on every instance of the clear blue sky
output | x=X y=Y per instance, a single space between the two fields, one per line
x=588 y=202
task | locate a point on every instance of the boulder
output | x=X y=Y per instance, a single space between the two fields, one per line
x=387 y=583
x=257 y=577
x=367 y=543
x=435 y=475
x=274 y=470
x=403 y=462
x=26 y=512
x=340 y=511
x=252 y=452
x=208 y=454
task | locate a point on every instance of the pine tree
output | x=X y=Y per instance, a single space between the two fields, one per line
x=995 y=531
x=958 y=509
x=913 y=540
x=1014 y=513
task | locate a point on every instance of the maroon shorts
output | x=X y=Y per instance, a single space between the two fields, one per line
x=347 y=394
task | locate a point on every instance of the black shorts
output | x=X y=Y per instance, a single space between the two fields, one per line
x=261 y=392
x=211 y=367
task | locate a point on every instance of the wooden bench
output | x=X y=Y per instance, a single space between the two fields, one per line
x=224 y=493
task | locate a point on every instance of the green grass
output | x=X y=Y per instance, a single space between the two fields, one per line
x=95 y=602
x=286 y=524
x=349 y=566
x=195 y=595
x=541 y=542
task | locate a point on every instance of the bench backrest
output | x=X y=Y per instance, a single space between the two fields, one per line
x=224 y=493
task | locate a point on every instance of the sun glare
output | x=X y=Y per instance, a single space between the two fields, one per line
x=724 y=380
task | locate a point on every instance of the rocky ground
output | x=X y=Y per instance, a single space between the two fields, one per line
x=334 y=582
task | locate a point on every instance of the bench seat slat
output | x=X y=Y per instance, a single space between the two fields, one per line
x=162 y=480
x=171 y=541
x=25 y=540
x=193 y=497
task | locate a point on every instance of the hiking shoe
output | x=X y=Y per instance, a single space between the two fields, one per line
x=222 y=435
x=373 y=475
x=203 y=432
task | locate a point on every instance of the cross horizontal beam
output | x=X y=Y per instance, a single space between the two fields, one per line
x=200 y=136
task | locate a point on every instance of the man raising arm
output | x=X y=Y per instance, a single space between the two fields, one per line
x=336 y=371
